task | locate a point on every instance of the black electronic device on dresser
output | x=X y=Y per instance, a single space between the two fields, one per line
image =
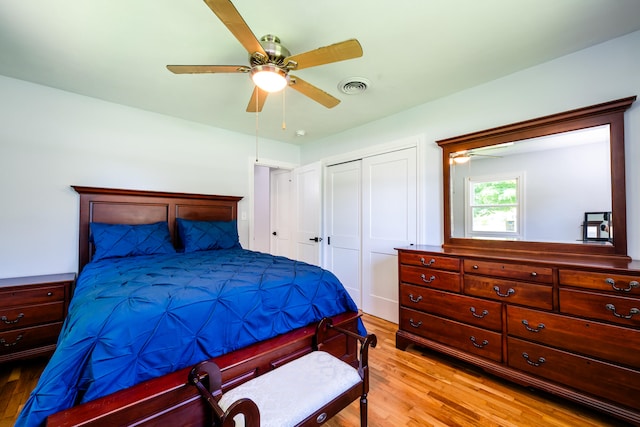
x=32 y=310
x=559 y=316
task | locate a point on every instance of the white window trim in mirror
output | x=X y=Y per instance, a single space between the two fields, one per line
x=518 y=233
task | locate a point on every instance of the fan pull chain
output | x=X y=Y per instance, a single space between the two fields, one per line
x=257 y=123
x=284 y=124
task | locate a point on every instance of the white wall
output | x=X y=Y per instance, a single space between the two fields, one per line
x=50 y=139
x=598 y=74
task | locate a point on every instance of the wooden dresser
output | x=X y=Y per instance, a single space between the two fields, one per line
x=32 y=310
x=567 y=326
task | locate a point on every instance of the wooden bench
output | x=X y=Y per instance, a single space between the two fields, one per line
x=304 y=392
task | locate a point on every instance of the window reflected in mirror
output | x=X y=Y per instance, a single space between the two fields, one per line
x=493 y=207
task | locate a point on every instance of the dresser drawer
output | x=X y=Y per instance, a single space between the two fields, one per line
x=614 y=383
x=430 y=261
x=609 y=342
x=471 y=339
x=474 y=311
x=611 y=308
x=523 y=293
x=437 y=279
x=619 y=283
x=19 y=317
x=27 y=338
x=526 y=272
x=32 y=295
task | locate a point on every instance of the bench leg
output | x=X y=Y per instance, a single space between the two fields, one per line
x=363 y=411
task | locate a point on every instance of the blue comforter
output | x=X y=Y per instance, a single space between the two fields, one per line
x=136 y=318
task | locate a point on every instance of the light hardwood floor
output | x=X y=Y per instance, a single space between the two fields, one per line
x=408 y=388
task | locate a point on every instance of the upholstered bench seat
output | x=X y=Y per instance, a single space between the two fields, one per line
x=304 y=392
x=288 y=395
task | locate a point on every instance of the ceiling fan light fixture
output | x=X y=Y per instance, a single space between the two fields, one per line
x=269 y=78
x=460 y=157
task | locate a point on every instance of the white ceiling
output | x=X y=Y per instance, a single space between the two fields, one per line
x=414 y=51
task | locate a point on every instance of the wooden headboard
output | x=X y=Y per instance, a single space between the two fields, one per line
x=114 y=206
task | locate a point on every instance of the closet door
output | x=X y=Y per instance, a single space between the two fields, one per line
x=343 y=218
x=389 y=207
x=306 y=219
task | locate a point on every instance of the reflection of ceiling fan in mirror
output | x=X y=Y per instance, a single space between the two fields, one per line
x=270 y=62
x=461 y=157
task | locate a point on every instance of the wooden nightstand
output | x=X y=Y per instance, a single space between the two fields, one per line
x=31 y=313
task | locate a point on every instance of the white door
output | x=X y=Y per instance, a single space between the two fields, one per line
x=307 y=225
x=280 y=212
x=389 y=207
x=342 y=249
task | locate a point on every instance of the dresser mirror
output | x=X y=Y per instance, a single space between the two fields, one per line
x=528 y=186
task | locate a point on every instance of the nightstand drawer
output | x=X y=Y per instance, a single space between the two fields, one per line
x=27 y=338
x=32 y=295
x=20 y=317
x=32 y=311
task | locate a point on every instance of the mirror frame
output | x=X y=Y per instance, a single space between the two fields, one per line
x=608 y=113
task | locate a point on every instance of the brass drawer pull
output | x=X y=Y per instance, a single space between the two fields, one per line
x=530 y=329
x=49 y=294
x=534 y=274
x=510 y=292
x=11 y=322
x=540 y=361
x=632 y=284
x=414 y=324
x=425 y=280
x=479 y=316
x=632 y=312
x=475 y=344
x=427 y=264
x=10 y=344
x=416 y=300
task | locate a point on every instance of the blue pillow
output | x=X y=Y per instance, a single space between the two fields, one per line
x=122 y=240
x=208 y=235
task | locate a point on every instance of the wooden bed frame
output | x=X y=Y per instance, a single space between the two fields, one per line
x=170 y=400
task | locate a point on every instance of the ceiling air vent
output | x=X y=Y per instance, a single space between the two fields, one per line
x=354 y=85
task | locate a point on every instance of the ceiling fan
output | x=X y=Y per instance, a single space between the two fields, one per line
x=270 y=62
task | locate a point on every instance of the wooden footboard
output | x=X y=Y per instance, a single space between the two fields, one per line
x=170 y=400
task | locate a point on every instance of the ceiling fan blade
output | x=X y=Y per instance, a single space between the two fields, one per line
x=313 y=92
x=347 y=49
x=231 y=18
x=257 y=100
x=195 y=69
